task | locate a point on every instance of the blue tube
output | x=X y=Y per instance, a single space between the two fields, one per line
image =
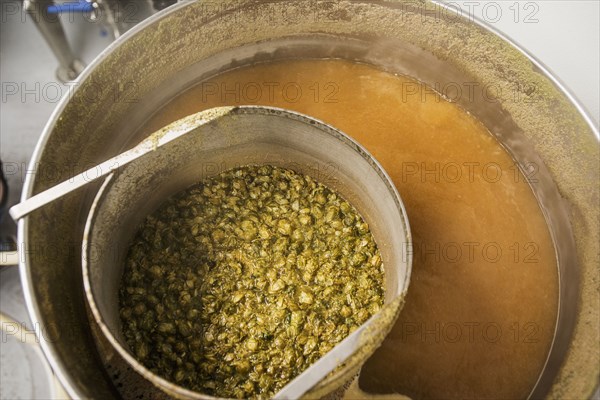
x=71 y=6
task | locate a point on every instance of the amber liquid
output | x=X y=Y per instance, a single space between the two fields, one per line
x=482 y=303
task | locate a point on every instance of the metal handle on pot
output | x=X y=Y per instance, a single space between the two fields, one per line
x=9 y=258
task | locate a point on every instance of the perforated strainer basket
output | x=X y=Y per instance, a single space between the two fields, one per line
x=226 y=138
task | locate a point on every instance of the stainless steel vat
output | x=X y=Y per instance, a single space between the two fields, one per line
x=193 y=41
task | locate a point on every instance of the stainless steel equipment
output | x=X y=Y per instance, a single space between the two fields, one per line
x=51 y=29
x=191 y=42
x=114 y=15
x=187 y=152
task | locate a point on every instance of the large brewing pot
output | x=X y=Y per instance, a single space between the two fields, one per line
x=193 y=41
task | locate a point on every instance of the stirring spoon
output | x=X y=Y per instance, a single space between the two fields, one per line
x=151 y=143
x=336 y=356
